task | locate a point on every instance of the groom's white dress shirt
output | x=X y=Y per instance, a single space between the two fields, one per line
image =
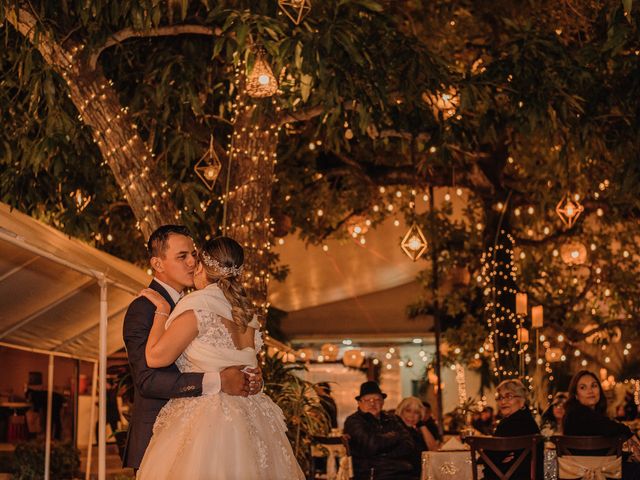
x=210 y=380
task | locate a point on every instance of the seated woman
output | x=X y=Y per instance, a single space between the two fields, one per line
x=411 y=411
x=517 y=420
x=553 y=416
x=586 y=416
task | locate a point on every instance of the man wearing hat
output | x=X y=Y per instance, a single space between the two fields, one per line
x=381 y=448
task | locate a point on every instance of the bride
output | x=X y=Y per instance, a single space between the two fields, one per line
x=209 y=437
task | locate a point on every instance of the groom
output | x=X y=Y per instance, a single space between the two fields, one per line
x=173 y=259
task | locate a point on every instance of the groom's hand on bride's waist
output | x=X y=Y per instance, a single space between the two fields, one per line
x=254 y=376
x=233 y=381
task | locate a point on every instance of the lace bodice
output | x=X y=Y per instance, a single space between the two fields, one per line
x=213 y=333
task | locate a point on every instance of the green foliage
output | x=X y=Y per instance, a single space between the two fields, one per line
x=300 y=404
x=545 y=106
x=29 y=461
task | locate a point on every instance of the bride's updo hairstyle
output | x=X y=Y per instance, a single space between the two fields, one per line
x=222 y=259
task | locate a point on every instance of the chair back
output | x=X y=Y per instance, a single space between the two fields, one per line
x=526 y=443
x=565 y=443
x=576 y=459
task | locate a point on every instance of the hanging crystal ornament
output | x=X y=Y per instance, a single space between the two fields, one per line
x=296 y=10
x=209 y=166
x=261 y=82
x=569 y=209
x=81 y=200
x=414 y=244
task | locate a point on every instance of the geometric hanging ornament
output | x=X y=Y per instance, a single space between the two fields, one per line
x=569 y=210
x=296 y=10
x=261 y=82
x=414 y=243
x=81 y=200
x=209 y=166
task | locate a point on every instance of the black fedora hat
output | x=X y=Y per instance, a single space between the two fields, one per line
x=370 y=387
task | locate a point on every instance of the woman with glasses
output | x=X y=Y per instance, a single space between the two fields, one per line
x=517 y=420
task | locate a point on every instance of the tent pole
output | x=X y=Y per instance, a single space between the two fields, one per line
x=102 y=378
x=47 y=441
x=92 y=418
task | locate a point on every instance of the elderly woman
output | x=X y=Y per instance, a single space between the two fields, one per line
x=586 y=415
x=517 y=420
x=412 y=413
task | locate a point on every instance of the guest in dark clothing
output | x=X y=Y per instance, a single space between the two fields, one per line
x=327 y=402
x=553 y=416
x=517 y=421
x=430 y=422
x=586 y=416
x=381 y=447
x=485 y=422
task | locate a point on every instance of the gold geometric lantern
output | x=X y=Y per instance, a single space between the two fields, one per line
x=573 y=253
x=209 y=166
x=261 y=82
x=569 y=210
x=80 y=199
x=414 y=243
x=296 y=10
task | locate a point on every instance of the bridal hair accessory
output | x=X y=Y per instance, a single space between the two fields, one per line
x=226 y=271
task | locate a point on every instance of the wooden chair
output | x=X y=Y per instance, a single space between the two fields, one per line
x=333 y=449
x=527 y=443
x=579 y=447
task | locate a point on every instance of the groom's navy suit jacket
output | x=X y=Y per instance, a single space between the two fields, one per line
x=153 y=387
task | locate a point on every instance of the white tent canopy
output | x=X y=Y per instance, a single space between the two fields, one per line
x=49 y=289
x=351 y=290
x=62 y=297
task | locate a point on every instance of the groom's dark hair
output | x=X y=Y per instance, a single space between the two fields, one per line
x=157 y=244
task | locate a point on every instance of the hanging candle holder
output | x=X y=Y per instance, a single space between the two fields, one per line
x=261 y=82
x=81 y=200
x=209 y=166
x=414 y=243
x=569 y=210
x=296 y=10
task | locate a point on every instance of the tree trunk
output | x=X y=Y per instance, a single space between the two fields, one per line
x=123 y=150
x=248 y=221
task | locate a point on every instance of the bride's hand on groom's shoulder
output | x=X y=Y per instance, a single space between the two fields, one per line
x=162 y=306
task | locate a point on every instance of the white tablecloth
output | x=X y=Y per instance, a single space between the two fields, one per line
x=447 y=465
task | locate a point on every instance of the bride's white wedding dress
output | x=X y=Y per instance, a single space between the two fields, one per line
x=218 y=437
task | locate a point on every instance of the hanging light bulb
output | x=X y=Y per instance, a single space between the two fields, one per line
x=569 y=209
x=414 y=243
x=296 y=10
x=261 y=81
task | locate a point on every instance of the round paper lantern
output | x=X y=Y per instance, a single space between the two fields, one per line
x=553 y=354
x=573 y=253
x=353 y=358
x=329 y=352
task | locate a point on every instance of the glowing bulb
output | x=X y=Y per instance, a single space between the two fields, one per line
x=263 y=79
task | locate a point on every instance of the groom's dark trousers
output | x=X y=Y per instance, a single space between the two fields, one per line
x=153 y=387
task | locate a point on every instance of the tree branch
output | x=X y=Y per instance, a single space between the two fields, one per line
x=167 y=31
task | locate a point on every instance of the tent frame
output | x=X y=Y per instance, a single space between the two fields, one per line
x=101 y=362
